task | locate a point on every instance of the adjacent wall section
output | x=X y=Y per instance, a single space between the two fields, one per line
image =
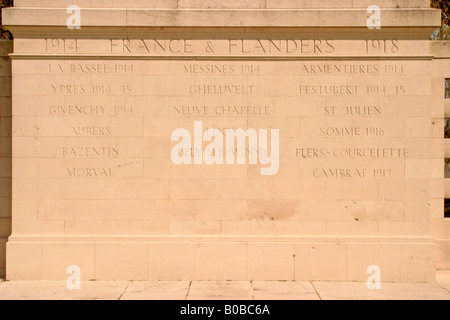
x=5 y=150
x=95 y=184
x=441 y=149
x=224 y=4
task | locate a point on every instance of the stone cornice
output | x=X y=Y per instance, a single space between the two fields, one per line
x=280 y=18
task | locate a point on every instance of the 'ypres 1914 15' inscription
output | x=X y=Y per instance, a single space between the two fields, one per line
x=91 y=90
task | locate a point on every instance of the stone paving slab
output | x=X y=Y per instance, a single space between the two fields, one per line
x=389 y=291
x=446 y=286
x=156 y=290
x=420 y=291
x=220 y=290
x=264 y=290
x=29 y=290
x=225 y=290
x=93 y=290
x=443 y=277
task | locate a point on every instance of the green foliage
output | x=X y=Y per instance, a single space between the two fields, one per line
x=447 y=88
x=447 y=121
x=443 y=33
x=447 y=128
x=447 y=136
x=3 y=33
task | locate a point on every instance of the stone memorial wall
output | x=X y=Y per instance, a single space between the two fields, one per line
x=226 y=140
x=5 y=150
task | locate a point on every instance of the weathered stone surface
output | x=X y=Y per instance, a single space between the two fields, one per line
x=6 y=47
x=217 y=290
x=130 y=156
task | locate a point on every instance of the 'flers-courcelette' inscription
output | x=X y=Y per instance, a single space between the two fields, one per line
x=354 y=153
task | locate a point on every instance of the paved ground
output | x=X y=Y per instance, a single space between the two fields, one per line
x=239 y=290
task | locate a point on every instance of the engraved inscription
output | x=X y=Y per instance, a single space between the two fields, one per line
x=90 y=152
x=207 y=88
x=221 y=89
x=167 y=46
x=89 y=172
